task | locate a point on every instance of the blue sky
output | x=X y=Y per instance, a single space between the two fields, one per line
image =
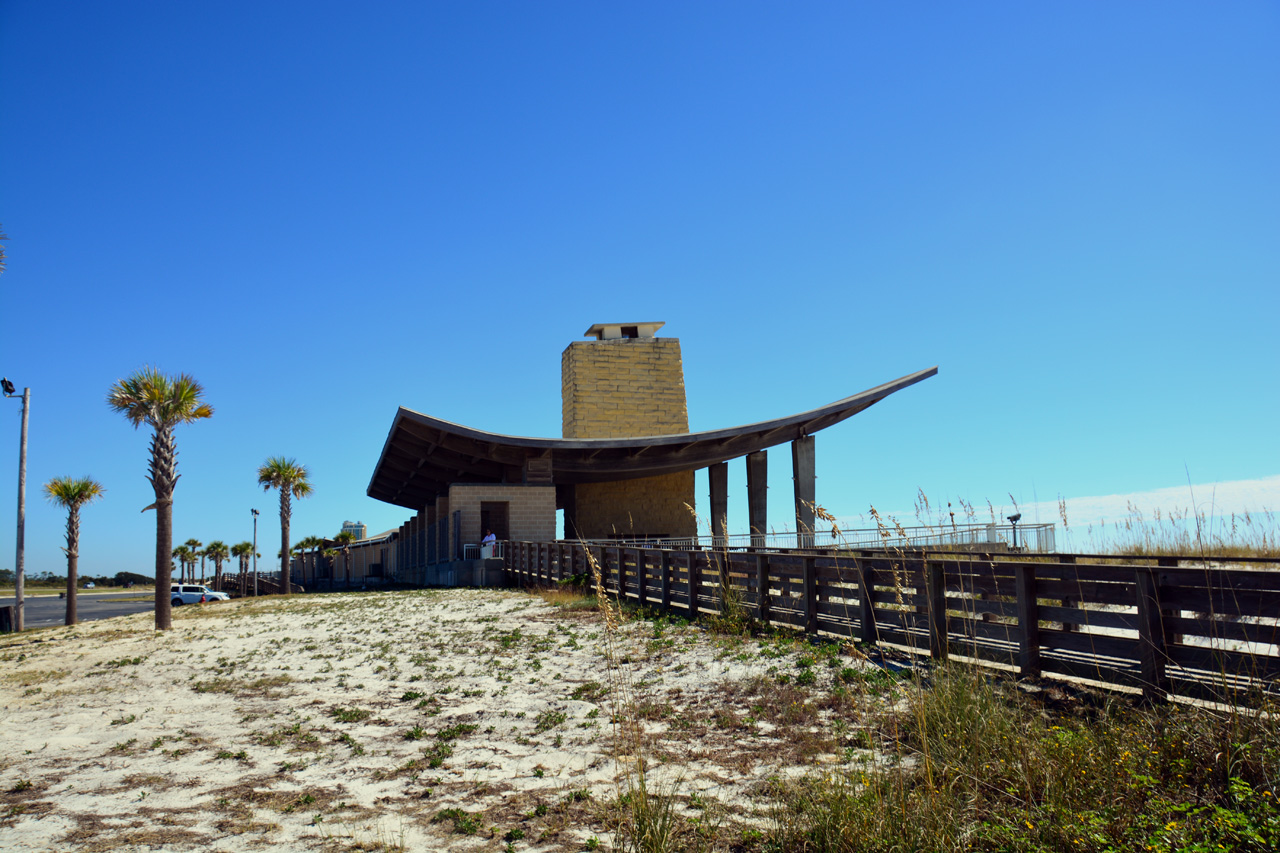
x=324 y=211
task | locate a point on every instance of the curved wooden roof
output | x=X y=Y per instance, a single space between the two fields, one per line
x=423 y=455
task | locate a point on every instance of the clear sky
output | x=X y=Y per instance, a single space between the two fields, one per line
x=324 y=211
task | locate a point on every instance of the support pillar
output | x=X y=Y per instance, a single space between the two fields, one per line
x=804 y=474
x=757 y=496
x=718 y=475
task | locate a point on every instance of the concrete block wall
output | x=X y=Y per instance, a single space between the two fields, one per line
x=626 y=388
x=531 y=510
x=651 y=506
x=623 y=388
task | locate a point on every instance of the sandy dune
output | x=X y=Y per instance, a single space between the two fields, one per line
x=353 y=721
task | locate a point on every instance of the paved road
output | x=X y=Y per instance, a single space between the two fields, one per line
x=45 y=610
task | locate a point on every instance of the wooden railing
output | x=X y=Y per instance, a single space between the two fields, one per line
x=1206 y=632
x=240 y=585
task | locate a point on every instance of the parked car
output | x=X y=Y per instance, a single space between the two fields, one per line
x=189 y=593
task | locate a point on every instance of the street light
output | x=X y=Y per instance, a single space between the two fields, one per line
x=19 y=621
x=255 y=552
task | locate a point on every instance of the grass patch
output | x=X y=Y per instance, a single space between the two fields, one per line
x=267 y=687
x=979 y=766
x=350 y=715
x=463 y=822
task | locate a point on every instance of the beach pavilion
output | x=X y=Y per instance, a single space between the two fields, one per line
x=623 y=471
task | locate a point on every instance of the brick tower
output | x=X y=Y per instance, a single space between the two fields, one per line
x=624 y=383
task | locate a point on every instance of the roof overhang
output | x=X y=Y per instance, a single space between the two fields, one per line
x=423 y=455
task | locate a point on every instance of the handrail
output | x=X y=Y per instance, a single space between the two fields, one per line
x=1035 y=537
x=1211 y=633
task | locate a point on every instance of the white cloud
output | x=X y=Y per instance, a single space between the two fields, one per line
x=1215 y=500
x=1209 y=499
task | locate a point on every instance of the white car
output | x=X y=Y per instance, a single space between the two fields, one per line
x=188 y=593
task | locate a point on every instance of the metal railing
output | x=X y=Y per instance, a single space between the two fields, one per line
x=472 y=551
x=1034 y=538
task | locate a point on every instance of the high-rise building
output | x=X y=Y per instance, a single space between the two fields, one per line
x=356 y=529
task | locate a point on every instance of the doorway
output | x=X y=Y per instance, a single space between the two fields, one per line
x=495 y=516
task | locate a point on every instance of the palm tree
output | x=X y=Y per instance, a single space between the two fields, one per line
x=194 y=545
x=183 y=555
x=161 y=402
x=315 y=543
x=242 y=551
x=291 y=479
x=343 y=541
x=217 y=551
x=72 y=493
x=305 y=544
x=299 y=550
x=317 y=552
x=330 y=554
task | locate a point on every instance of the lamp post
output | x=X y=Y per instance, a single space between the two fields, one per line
x=19 y=575
x=255 y=552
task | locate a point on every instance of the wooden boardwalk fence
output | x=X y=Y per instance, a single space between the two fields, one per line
x=1167 y=629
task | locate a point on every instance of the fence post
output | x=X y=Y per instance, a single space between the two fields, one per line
x=606 y=574
x=936 y=592
x=866 y=601
x=620 y=558
x=1067 y=600
x=664 y=568
x=695 y=581
x=1024 y=577
x=762 y=587
x=810 y=595
x=642 y=572
x=1170 y=563
x=1151 y=644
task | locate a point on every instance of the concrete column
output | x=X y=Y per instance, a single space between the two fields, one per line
x=757 y=496
x=718 y=476
x=803 y=472
x=421 y=535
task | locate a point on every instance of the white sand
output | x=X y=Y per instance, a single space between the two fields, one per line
x=225 y=736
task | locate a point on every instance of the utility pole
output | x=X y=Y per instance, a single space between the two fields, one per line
x=19 y=622
x=255 y=552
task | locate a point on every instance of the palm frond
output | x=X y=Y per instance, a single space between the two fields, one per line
x=150 y=397
x=73 y=491
x=279 y=472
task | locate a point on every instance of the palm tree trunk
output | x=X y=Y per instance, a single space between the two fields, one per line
x=163 y=477
x=164 y=569
x=73 y=561
x=285 y=512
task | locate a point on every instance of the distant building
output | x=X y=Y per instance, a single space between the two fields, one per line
x=356 y=529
